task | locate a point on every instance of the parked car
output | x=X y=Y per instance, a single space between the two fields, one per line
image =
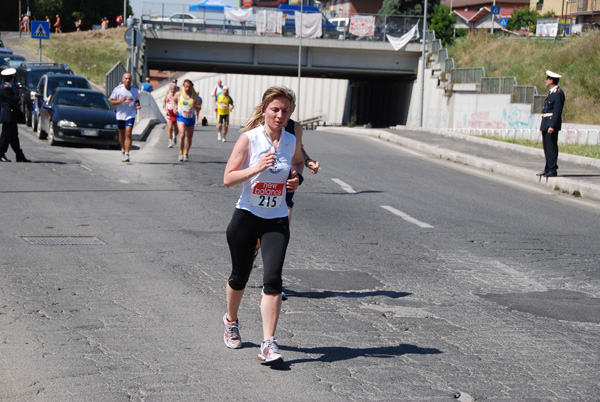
x=5 y=51
x=289 y=28
x=176 y=21
x=27 y=78
x=47 y=84
x=12 y=60
x=81 y=116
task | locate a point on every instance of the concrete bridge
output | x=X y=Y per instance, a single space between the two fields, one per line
x=380 y=79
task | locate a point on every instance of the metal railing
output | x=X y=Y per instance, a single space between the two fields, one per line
x=498 y=85
x=523 y=93
x=176 y=16
x=538 y=103
x=113 y=77
x=467 y=75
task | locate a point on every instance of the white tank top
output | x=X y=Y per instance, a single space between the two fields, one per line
x=264 y=194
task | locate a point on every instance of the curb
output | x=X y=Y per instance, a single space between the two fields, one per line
x=142 y=129
x=564 y=185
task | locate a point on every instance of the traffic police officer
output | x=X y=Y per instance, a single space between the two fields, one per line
x=9 y=105
x=551 y=123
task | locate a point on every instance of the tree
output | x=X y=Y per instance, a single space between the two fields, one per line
x=522 y=17
x=442 y=22
x=405 y=7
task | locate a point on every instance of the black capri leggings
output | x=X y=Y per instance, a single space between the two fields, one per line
x=243 y=232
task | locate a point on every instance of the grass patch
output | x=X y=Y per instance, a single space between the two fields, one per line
x=527 y=60
x=590 y=151
x=88 y=53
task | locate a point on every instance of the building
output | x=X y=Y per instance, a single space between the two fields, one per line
x=477 y=14
x=586 y=11
x=345 y=8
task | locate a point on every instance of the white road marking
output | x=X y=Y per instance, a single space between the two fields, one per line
x=406 y=217
x=86 y=168
x=345 y=186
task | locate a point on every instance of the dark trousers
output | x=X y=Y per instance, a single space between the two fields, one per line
x=550 y=142
x=10 y=136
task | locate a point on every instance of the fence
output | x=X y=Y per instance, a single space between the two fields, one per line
x=176 y=16
x=467 y=75
x=524 y=93
x=498 y=85
x=113 y=77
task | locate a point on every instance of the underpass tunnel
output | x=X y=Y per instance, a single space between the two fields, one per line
x=382 y=102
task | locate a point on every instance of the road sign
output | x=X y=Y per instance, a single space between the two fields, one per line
x=129 y=37
x=503 y=22
x=495 y=10
x=40 y=29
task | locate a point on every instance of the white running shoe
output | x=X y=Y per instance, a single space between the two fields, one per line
x=185 y=158
x=269 y=352
x=232 y=337
x=170 y=144
x=180 y=158
x=219 y=136
x=224 y=139
x=125 y=157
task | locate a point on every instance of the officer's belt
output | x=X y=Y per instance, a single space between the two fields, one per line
x=546 y=115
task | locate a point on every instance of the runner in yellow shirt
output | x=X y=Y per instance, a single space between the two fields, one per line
x=223 y=107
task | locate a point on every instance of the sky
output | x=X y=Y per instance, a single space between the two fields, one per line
x=137 y=5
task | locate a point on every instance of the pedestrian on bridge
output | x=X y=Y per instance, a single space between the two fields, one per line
x=551 y=123
x=261 y=161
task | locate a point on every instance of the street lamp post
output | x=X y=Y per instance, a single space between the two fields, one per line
x=423 y=63
x=299 y=61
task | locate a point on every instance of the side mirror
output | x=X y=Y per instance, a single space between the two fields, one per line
x=47 y=106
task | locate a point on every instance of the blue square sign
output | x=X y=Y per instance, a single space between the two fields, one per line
x=503 y=22
x=495 y=10
x=40 y=29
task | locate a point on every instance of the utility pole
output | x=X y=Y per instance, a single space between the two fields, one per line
x=423 y=64
x=493 y=18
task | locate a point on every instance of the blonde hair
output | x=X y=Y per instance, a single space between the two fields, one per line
x=257 y=118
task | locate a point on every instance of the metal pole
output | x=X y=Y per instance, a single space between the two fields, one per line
x=124 y=12
x=40 y=50
x=493 y=18
x=299 y=62
x=423 y=63
x=133 y=39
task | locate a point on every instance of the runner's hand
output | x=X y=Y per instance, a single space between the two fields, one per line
x=293 y=183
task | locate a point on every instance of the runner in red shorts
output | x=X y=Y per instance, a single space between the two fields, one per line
x=170 y=109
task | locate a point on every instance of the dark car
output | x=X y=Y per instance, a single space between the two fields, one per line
x=47 y=84
x=12 y=60
x=81 y=116
x=27 y=78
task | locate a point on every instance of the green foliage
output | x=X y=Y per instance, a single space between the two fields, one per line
x=405 y=7
x=461 y=32
x=523 y=17
x=442 y=23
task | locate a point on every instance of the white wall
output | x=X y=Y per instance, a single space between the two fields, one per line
x=316 y=95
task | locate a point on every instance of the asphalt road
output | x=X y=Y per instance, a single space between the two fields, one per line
x=409 y=278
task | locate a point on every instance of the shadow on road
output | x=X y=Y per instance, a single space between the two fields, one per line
x=353 y=295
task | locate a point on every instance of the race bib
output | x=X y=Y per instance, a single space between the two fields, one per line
x=188 y=114
x=223 y=105
x=129 y=101
x=267 y=195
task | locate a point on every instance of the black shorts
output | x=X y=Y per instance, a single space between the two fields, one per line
x=223 y=119
x=243 y=232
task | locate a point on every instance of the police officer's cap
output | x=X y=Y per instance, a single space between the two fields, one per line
x=552 y=75
x=8 y=72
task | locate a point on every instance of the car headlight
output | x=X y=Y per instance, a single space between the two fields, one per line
x=32 y=95
x=111 y=126
x=66 y=123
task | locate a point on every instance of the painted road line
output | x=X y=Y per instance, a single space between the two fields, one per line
x=345 y=186
x=406 y=217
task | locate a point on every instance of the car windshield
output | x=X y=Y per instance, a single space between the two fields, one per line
x=82 y=99
x=34 y=76
x=67 y=82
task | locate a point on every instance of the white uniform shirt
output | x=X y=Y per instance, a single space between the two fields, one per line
x=264 y=194
x=125 y=110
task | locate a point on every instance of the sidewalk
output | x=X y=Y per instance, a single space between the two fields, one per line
x=576 y=174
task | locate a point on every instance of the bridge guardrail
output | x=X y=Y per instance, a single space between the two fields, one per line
x=524 y=94
x=176 y=16
x=498 y=85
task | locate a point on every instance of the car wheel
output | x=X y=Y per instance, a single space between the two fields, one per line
x=51 y=140
x=40 y=133
x=28 y=116
x=34 y=121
